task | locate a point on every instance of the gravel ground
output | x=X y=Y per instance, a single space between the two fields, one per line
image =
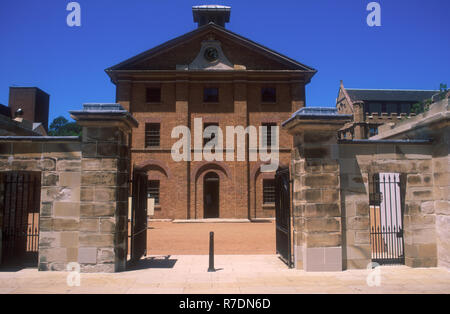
x=166 y=238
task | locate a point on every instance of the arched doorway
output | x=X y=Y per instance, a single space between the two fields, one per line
x=211 y=197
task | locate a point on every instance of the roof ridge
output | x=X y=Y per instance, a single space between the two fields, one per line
x=397 y=90
x=217 y=27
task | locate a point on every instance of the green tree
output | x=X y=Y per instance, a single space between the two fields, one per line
x=62 y=127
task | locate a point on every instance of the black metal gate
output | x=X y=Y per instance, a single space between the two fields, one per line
x=283 y=215
x=139 y=215
x=20 y=227
x=386 y=219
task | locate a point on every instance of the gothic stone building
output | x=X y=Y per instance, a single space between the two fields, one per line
x=226 y=80
x=372 y=108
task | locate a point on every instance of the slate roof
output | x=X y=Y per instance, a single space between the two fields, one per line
x=316 y=111
x=390 y=94
x=324 y=113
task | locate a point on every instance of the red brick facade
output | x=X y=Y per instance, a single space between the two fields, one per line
x=255 y=67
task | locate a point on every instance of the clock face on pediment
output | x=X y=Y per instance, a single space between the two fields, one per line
x=211 y=54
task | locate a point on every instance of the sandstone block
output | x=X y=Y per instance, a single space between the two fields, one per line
x=66 y=209
x=96 y=240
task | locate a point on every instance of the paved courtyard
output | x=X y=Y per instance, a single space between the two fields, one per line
x=260 y=274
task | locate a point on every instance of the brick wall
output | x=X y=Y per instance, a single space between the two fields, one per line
x=181 y=103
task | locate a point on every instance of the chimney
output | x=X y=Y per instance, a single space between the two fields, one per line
x=29 y=103
x=217 y=14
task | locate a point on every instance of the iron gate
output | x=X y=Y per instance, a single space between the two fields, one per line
x=20 y=228
x=386 y=219
x=139 y=215
x=283 y=215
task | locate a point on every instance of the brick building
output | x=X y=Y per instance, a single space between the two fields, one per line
x=33 y=102
x=226 y=80
x=27 y=113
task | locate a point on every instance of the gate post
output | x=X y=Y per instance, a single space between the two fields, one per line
x=316 y=174
x=105 y=173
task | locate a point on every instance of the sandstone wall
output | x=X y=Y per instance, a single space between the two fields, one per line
x=414 y=163
x=60 y=165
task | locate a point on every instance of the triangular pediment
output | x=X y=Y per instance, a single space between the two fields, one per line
x=211 y=47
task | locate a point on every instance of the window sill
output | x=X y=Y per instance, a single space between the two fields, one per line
x=270 y=206
x=158 y=207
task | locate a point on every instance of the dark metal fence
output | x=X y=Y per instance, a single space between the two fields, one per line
x=386 y=219
x=21 y=207
x=283 y=215
x=139 y=216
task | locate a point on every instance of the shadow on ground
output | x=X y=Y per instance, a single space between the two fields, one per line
x=158 y=262
x=14 y=269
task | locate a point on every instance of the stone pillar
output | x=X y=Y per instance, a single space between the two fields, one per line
x=441 y=178
x=2 y=200
x=360 y=125
x=103 y=231
x=317 y=206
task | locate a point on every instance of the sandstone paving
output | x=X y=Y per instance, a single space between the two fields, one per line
x=262 y=274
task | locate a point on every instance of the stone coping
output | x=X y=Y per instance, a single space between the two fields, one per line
x=318 y=114
x=103 y=112
x=40 y=138
x=362 y=141
x=219 y=220
x=439 y=112
x=103 y=107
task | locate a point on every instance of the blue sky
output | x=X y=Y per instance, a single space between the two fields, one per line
x=37 y=48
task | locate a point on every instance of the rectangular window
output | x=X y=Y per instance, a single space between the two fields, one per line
x=375 y=108
x=153 y=95
x=205 y=126
x=391 y=108
x=211 y=94
x=268 y=136
x=153 y=191
x=269 y=95
x=269 y=191
x=373 y=131
x=405 y=108
x=152 y=135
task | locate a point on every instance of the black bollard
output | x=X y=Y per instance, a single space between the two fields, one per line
x=211 y=268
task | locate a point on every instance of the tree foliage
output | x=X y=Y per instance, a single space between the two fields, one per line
x=423 y=106
x=62 y=127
